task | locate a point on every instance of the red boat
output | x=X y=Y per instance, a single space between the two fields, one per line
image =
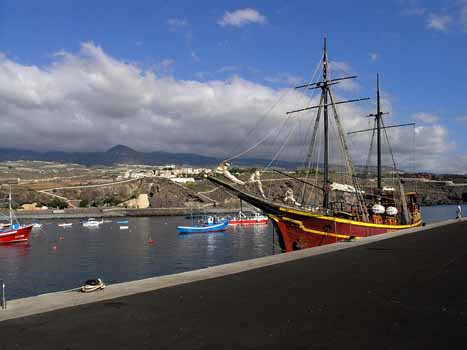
x=13 y=232
x=242 y=219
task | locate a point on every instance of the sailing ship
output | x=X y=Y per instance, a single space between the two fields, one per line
x=330 y=211
x=13 y=231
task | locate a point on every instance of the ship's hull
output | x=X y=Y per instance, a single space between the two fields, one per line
x=203 y=229
x=20 y=234
x=300 y=230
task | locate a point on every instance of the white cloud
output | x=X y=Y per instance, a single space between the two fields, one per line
x=91 y=101
x=177 y=24
x=241 y=17
x=426 y=118
x=439 y=22
x=342 y=69
x=374 y=56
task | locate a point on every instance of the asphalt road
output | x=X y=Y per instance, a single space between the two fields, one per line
x=408 y=292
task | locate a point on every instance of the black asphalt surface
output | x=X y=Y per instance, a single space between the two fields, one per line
x=408 y=292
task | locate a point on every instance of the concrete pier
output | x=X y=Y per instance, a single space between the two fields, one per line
x=405 y=290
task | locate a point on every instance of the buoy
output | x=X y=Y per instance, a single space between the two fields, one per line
x=62 y=238
x=151 y=241
x=54 y=247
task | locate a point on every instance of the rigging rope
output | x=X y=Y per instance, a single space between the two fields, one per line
x=370 y=152
x=286 y=92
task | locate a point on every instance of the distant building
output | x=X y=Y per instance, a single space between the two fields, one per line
x=183 y=180
x=33 y=206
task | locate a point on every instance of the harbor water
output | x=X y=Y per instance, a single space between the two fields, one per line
x=60 y=258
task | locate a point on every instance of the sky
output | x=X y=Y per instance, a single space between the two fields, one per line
x=216 y=77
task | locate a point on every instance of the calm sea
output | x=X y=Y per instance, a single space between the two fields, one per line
x=59 y=258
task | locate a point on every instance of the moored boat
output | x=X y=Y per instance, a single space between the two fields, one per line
x=92 y=285
x=255 y=219
x=208 y=225
x=91 y=222
x=327 y=211
x=65 y=224
x=13 y=231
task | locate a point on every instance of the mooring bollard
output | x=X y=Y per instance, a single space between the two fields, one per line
x=3 y=295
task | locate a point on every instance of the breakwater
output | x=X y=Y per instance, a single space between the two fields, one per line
x=109 y=213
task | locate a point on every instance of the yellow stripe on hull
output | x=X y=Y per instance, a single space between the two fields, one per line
x=352 y=222
x=309 y=230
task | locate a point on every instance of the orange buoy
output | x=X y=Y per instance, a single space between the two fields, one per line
x=151 y=241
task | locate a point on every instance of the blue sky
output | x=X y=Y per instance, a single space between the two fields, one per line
x=418 y=47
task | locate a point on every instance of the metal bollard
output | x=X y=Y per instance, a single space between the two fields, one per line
x=3 y=295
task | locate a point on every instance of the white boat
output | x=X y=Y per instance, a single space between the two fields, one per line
x=65 y=224
x=36 y=225
x=92 y=222
x=123 y=227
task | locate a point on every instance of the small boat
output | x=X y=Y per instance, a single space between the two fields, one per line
x=92 y=222
x=65 y=224
x=208 y=225
x=122 y=222
x=36 y=225
x=12 y=232
x=92 y=285
x=242 y=219
x=123 y=227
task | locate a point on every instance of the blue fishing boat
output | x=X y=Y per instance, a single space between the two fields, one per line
x=208 y=225
x=122 y=222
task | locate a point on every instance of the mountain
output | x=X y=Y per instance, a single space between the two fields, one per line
x=121 y=154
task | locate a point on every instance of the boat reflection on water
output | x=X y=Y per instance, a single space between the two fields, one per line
x=8 y=251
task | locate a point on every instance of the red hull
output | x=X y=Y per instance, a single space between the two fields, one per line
x=249 y=222
x=19 y=235
x=300 y=231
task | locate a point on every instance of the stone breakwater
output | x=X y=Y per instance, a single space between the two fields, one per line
x=109 y=213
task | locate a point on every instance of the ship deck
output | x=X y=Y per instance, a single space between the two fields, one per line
x=404 y=292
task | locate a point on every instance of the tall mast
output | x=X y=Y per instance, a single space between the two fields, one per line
x=324 y=92
x=379 y=126
x=379 y=114
x=324 y=85
x=9 y=207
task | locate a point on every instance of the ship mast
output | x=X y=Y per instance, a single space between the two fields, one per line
x=324 y=94
x=378 y=116
x=379 y=127
x=324 y=85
